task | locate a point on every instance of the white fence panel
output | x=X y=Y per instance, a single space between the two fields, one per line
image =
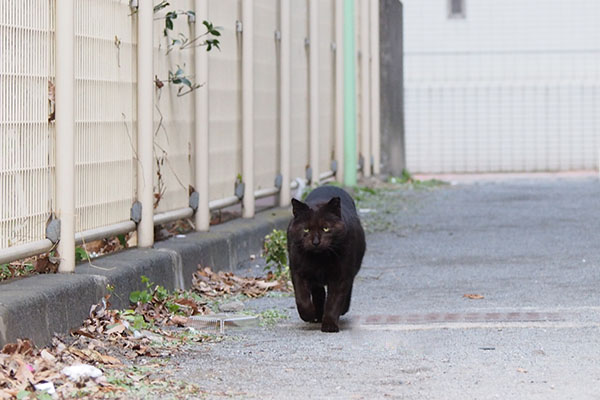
x=266 y=93
x=26 y=127
x=299 y=88
x=174 y=110
x=105 y=106
x=326 y=83
x=225 y=100
x=106 y=111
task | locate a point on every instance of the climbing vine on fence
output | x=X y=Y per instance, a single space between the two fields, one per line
x=208 y=39
x=185 y=82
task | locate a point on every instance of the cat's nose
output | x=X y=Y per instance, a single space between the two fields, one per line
x=316 y=241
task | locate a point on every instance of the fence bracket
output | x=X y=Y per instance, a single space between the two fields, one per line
x=309 y=175
x=278 y=181
x=136 y=212
x=334 y=166
x=53 y=230
x=194 y=200
x=239 y=190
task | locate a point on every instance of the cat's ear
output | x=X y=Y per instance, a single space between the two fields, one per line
x=334 y=207
x=299 y=208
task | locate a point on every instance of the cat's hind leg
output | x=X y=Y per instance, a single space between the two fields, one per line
x=318 y=300
x=347 y=304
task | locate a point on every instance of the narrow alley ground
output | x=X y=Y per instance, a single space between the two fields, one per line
x=530 y=248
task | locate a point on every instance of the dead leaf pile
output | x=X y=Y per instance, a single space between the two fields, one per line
x=106 y=337
x=110 y=245
x=105 y=327
x=23 y=366
x=159 y=310
x=211 y=284
x=135 y=333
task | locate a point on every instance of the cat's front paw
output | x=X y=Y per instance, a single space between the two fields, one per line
x=329 y=327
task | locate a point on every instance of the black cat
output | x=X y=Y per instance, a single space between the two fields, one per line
x=326 y=244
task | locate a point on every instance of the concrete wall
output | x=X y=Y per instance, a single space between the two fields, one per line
x=512 y=86
x=392 y=87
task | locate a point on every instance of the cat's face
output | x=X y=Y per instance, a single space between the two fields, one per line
x=317 y=229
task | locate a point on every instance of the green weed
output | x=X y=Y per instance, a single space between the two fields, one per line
x=275 y=253
x=271 y=317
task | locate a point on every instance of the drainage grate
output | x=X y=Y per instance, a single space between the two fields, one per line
x=426 y=318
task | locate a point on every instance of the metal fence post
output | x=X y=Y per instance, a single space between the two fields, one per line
x=313 y=26
x=339 y=89
x=284 y=194
x=365 y=122
x=202 y=218
x=145 y=120
x=65 y=133
x=375 y=114
x=248 y=108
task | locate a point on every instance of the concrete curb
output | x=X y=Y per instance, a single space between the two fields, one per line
x=37 y=307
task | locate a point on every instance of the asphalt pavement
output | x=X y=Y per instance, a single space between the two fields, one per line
x=526 y=251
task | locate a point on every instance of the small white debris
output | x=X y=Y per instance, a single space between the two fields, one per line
x=252 y=257
x=180 y=236
x=366 y=210
x=47 y=387
x=583 y=260
x=45 y=354
x=81 y=371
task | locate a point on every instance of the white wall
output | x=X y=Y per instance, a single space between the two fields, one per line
x=514 y=86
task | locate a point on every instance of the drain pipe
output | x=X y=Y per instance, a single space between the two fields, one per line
x=65 y=134
x=350 y=161
x=339 y=89
x=248 y=108
x=284 y=194
x=202 y=217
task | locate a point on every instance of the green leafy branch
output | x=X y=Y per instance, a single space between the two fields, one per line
x=180 y=78
x=181 y=40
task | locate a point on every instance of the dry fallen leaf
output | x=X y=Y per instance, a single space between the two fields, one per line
x=521 y=370
x=178 y=320
x=46 y=355
x=473 y=296
x=117 y=328
x=214 y=284
x=110 y=360
x=21 y=347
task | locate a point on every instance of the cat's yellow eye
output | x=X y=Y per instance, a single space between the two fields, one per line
x=306 y=230
x=325 y=229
